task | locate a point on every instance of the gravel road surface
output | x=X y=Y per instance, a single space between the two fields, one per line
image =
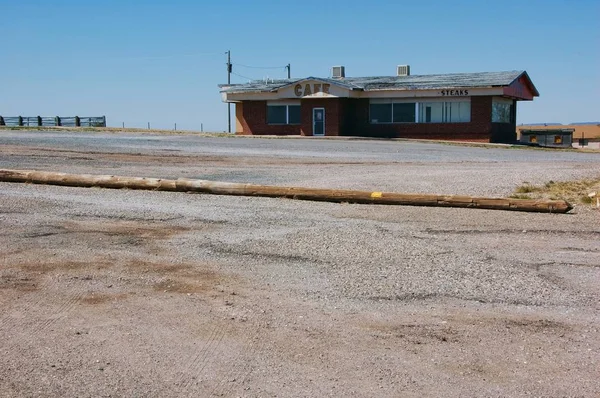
x=160 y=294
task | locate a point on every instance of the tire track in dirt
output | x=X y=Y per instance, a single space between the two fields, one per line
x=186 y=374
x=240 y=371
x=61 y=308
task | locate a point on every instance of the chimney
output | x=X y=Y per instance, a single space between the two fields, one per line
x=338 y=72
x=403 y=70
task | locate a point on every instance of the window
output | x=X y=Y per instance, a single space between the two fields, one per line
x=381 y=113
x=293 y=114
x=558 y=139
x=458 y=112
x=404 y=113
x=392 y=112
x=501 y=111
x=283 y=114
x=445 y=112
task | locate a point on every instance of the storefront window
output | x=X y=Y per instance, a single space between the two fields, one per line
x=293 y=114
x=501 y=112
x=401 y=112
x=381 y=113
x=445 y=112
x=404 y=113
x=283 y=114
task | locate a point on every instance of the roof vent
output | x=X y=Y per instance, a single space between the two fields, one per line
x=403 y=70
x=338 y=72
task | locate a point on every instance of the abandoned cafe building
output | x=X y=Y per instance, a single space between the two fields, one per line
x=457 y=106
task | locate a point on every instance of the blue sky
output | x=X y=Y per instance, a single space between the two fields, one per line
x=160 y=61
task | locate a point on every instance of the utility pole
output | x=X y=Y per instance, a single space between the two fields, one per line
x=229 y=69
x=289 y=67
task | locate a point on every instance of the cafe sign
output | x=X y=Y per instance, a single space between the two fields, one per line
x=304 y=90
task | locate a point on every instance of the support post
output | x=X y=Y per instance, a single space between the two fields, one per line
x=77 y=121
x=20 y=121
x=57 y=121
x=2 y=121
x=289 y=71
x=229 y=70
x=39 y=121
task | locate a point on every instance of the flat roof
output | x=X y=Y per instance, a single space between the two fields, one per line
x=411 y=82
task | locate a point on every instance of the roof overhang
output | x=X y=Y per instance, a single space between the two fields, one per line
x=522 y=88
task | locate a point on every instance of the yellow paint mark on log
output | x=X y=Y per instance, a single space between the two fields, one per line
x=376 y=194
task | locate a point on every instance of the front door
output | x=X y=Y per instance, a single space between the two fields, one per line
x=318 y=121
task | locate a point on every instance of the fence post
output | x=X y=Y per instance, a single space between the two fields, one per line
x=175 y=126
x=20 y=121
x=77 y=121
x=57 y=121
x=103 y=121
x=39 y=120
x=148 y=125
x=2 y=121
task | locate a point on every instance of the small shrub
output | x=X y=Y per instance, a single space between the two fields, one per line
x=526 y=189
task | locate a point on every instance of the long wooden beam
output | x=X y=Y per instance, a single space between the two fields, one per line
x=317 y=194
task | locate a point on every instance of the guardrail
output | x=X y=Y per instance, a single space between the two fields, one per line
x=68 y=121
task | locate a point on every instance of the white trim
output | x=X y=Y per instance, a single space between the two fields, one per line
x=423 y=99
x=313 y=122
x=337 y=91
x=283 y=102
x=502 y=100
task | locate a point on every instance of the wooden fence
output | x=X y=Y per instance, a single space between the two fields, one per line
x=71 y=121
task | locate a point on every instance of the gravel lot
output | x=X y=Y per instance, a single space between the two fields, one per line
x=138 y=293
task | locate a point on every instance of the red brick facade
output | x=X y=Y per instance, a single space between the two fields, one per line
x=350 y=117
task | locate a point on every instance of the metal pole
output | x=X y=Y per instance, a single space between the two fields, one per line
x=175 y=126
x=202 y=127
x=229 y=68
x=289 y=67
x=148 y=125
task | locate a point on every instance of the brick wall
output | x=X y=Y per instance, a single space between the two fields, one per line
x=333 y=113
x=344 y=116
x=252 y=117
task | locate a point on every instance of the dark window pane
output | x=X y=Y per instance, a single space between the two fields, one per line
x=276 y=114
x=381 y=113
x=294 y=114
x=404 y=113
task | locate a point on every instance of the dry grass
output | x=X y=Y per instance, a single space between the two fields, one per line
x=571 y=191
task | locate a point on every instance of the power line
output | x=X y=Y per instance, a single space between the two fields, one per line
x=245 y=77
x=151 y=57
x=261 y=67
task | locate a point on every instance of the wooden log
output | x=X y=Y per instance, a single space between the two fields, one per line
x=316 y=194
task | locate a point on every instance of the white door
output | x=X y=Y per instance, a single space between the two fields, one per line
x=318 y=121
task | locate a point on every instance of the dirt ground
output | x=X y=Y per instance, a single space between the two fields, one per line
x=109 y=293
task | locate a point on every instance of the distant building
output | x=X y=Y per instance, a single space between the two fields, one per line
x=459 y=106
x=557 y=138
